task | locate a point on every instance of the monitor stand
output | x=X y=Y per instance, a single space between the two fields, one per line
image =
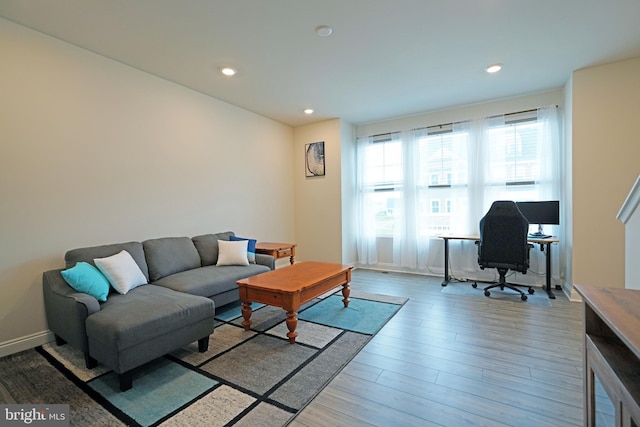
x=539 y=234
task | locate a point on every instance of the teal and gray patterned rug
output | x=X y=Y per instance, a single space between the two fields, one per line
x=245 y=378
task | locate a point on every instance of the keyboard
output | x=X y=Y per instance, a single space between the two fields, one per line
x=539 y=236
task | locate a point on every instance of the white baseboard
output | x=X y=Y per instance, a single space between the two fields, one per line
x=25 y=343
x=574 y=296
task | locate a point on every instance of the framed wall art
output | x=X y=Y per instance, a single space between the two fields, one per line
x=314 y=159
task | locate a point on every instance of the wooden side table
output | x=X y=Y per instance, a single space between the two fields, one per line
x=277 y=250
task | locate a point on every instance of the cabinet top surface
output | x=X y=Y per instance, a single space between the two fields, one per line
x=619 y=309
x=274 y=246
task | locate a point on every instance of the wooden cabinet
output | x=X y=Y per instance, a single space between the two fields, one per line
x=612 y=356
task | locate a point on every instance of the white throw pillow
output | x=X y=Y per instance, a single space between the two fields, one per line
x=232 y=252
x=121 y=271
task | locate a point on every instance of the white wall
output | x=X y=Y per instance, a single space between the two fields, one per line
x=567 y=212
x=630 y=216
x=318 y=199
x=348 y=153
x=95 y=152
x=632 y=266
x=606 y=153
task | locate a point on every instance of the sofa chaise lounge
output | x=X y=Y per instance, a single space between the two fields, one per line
x=183 y=284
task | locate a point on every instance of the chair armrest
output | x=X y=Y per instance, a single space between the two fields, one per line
x=268 y=260
x=67 y=309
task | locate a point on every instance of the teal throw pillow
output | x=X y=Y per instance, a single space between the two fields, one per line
x=83 y=277
x=251 y=247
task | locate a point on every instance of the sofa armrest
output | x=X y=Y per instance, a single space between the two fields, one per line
x=268 y=260
x=67 y=309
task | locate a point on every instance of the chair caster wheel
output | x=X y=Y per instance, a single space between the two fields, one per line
x=487 y=293
x=474 y=285
x=523 y=297
x=531 y=291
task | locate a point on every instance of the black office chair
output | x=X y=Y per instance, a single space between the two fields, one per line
x=503 y=244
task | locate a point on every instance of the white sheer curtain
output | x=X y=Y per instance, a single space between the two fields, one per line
x=467 y=192
x=491 y=178
x=366 y=221
x=405 y=236
x=442 y=180
x=551 y=181
x=380 y=188
x=549 y=149
x=414 y=223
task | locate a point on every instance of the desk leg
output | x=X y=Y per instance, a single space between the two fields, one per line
x=548 y=287
x=446 y=262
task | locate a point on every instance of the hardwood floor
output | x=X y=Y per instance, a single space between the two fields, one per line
x=454 y=360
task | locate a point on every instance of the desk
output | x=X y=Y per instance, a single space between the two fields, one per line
x=475 y=237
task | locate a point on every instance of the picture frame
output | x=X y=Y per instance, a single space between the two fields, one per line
x=314 y=159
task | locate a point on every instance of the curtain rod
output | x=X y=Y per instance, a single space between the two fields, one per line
x=461 y=121
x=497 y=115
x=384 y=134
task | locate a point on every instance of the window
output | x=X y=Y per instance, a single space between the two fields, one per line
x=383 y=179
x=442 y=171
x=515 y=157
x=416 y=184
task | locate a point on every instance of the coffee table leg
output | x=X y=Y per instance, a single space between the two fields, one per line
x=346 y=291
x=292 y=323
x=246 y=314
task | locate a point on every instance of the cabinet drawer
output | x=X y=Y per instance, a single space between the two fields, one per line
x=284 y=253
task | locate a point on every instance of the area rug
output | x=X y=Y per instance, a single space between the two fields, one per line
x=246 y=378
x=540 y=297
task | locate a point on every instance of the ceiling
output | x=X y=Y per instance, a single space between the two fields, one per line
x=384 y=59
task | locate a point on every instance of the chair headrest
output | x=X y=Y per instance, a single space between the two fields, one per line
x=504 y=207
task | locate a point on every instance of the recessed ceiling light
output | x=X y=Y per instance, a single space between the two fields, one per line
x=324 y=30
x=494 y=68
x=308 y=110
x=228 y=71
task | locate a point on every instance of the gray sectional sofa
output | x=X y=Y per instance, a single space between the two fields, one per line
x=176 y=306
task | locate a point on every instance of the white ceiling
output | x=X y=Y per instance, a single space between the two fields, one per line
x=385 y=58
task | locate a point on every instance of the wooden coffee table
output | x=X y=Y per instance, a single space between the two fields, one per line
x=291 y=286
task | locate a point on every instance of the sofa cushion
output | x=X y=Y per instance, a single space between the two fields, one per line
x=207 y=246
x=84 y=277
x=211 y=280
x=88 y=254
x=232 y=253
x=251 y=247
x=121 y=271
x=146 y=313
x=169 y=255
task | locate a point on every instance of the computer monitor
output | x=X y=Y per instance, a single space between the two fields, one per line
x=546 y=212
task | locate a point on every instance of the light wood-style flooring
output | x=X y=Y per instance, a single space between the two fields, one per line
x=454 y=360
